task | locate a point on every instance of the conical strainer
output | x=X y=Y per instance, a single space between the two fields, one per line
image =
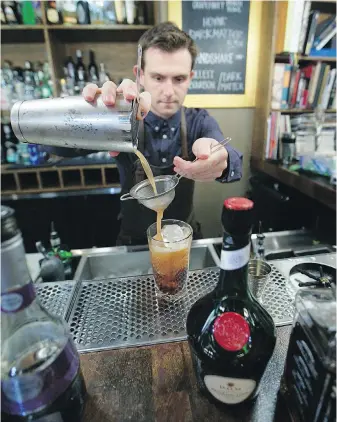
x=144 y=194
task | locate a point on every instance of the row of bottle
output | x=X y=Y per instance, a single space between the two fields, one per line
x=100 y=12
x=77 y=75
x=15 y=152
x=72 y=12
x=21 y=12
x=28 y=83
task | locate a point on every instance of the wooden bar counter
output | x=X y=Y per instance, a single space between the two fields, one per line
x=157 y=384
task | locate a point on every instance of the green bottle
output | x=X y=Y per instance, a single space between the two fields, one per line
x=28 y=15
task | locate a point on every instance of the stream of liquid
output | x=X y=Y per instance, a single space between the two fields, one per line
x=147 y=168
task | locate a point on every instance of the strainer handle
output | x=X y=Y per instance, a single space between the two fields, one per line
x=125 y=197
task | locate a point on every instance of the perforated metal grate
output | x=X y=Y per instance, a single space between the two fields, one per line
x=56 y=297
x=276 y=300
x=113 y=313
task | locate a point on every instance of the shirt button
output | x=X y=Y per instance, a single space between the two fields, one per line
x=163 y=160
x=164 y=136
x=232 y=173
x=172 y=129
x=156 y=128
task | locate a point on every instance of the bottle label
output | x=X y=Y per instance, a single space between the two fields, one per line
x=229 y=390
x=233 y=260
x=33 y=391
x=17 y=299
x=231 y=331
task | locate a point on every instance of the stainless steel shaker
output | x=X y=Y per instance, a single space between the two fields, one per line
x=75 y=123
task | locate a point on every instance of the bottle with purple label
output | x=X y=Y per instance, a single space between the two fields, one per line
x=41 y=379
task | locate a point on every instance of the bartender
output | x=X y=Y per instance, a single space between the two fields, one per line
x=170 y=135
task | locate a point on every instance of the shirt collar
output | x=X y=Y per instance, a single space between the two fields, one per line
x=157 y=122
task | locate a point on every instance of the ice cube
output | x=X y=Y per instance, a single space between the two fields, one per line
x=172 y=233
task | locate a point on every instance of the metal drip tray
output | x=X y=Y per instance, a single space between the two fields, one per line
x=124 y=312
x=57 y=297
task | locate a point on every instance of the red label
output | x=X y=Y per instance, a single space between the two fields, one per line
x=238 y=204
x=231 y=331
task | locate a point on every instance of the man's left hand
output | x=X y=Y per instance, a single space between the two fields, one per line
x=208 y=167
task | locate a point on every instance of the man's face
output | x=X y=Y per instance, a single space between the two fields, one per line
x=166 y=77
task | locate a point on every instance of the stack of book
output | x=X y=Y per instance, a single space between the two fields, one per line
x=305 y=127
x=307 y=87
x=300 y=29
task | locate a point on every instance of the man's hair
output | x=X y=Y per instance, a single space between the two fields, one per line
x=167 y=37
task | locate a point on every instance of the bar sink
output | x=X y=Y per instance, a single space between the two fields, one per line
x=126 y=262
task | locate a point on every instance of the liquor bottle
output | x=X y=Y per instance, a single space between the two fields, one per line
x=28 y=14
x=130 y=11
x=3 y=16
x=80 y=71
x=70 y=66
x=308 y=385
x=231 y=336
x=12 y=12
x=96 y=12
x=83 y=13
x=92 y=68
x=103 y=77
x=109 y=12
x=54 y=16
x=41 y=377
x=69 y=12
x=120 y=11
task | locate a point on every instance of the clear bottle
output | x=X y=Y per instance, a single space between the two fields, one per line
x=231 y=336
x=103 y=77
x=40 y=366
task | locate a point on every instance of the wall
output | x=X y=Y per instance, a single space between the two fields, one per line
x=208 y=198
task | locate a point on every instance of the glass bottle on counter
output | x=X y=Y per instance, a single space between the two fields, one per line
x=103 y=76
x=308 y=385
x=231 y=336
x=11 y=10
x=41 y=377
x=80 y=71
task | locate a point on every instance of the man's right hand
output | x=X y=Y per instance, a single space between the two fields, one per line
x=109 y=91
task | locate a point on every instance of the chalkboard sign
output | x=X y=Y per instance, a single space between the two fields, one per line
x=220 y=29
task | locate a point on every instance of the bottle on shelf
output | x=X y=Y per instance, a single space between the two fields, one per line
x=109 y=12
x=28 y=13
x=12 y=13
x=92 y=68
x=80 y=72
x=120 y=11
x=83 y=13
x=2 y=16
x=96 y=12
x=231 y=336
x=53 y=14
x=103 y=76
x=41 y=376
x=130 y=10
x=69 y=12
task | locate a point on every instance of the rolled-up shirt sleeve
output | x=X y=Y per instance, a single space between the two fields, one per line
x=233 y=172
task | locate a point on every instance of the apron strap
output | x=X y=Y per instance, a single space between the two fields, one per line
x=183 y=135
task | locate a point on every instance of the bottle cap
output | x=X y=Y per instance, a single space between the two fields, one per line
x=9 y=227
x=237 y=216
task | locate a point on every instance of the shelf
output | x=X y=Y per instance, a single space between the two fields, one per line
x=98 y=27
x=316 y=187
x=317 y=59
x=21 y=27
x=299 y=111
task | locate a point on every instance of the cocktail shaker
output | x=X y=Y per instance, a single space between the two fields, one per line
x=74 y=122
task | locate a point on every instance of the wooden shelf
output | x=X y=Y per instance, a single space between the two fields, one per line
x=316 y=187
x=102 y=27
x=298 y=110
x=317 y=59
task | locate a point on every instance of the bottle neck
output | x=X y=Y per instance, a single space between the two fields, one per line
x=17 y=290
x=233 y=279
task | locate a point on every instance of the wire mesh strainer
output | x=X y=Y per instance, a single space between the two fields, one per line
x=143 y=192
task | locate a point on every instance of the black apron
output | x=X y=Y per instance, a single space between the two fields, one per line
x=136 y=218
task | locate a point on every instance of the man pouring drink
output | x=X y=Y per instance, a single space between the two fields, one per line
x=170 y=136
